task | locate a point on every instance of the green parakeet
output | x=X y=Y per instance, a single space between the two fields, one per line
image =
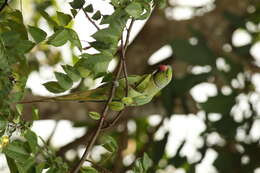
x=141 y=90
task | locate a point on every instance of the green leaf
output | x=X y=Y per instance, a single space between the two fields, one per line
x=64 y=19
x=89 y=8
x=35 y=114
x=24 y=46
x=59 y=38
x=146 y=11
x=47 y=17
x=74 y=12
x=115 y=3
x=11 y=164
x=146 y=161
x=71 y=72
x=32 y=140
x=116 y=106
x=108 y=77
x=107 y=35
x=74 y=39
x=134 y=9
x=25 y=167
x=37 y=34
x=64 y=81
x=88 y=169
x=110 y=144
x=94 y=115
x=53 y=87
x=39 y=167
x=138 y=166
x=97 y=15
x=16 y=151
x=77 y=4
x=19 y=108
x=142 y=164
x=96 y=64
x=161 y=3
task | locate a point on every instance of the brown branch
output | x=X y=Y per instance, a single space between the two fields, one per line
x=122 y=65
x=86 y=14
x=123 y=51
x=85 y=137
x=100 y=124
x=128 y=34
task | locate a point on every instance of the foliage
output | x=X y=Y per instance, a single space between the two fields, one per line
x=15 y=45
x=19 y=42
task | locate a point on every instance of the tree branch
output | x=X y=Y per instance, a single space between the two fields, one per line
x=86 y=14
x=100 y=124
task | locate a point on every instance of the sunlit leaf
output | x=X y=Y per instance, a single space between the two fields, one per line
x=53 y=87
x=134 y=9
x=59 y=38
x=110 y=144
x=16 y=151
x=94 y=115
x=63 y=18
x=71 y=72
x=32 y=140
x=146 y=161
x=89 y=8
x=77 y=4
x=47 y=17
x=74 y=39
x=64 y=81
x=37 y=34
x=88 y=169
x=97 y=15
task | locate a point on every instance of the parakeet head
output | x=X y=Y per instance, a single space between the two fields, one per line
x=162 y=76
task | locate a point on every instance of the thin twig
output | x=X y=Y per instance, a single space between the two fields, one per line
x=123 y=51
x=86 y=14
x=100 y=124
x=124 y=65
x=128 y=34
